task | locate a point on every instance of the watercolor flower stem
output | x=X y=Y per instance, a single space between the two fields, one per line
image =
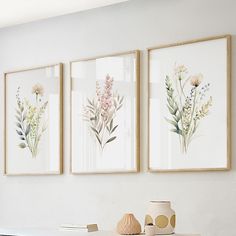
x=186 y=104
x=184 y=145
x=192 y=114
x=100 y=113
x=29 y=120
x=182 y=89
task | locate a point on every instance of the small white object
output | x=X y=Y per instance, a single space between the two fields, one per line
x=80 y=228
x=150 y=230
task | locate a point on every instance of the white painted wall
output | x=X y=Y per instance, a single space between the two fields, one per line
x=204 y=202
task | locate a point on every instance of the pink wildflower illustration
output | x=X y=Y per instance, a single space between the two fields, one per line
x=101 y=111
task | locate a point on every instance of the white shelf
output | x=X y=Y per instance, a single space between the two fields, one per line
x=57 y=232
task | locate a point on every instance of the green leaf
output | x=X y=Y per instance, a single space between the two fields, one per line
x=169 y=92
x=92 y=111
x=170 y=102
x=22 y=145
x=19 y=132
x=89 y=102
x=115 y=103
x=18 y=125
x=90 y=107
x=176 y=119
x=18 y=112
x=107 y=128
x=177 y=116
x=119 y=107
x=100 y=128
x=175 y=110
x=170 y=110
x=121 y=100
x=177 y=131
x=18 y=118
x=98 y=139
x=172 y=122
x=94 y=129
x=114 y=129
x=27 y=130
x=111 y=139
x=111 y=124
x=24 y=116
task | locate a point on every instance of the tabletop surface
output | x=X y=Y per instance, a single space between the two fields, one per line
x=57 y=232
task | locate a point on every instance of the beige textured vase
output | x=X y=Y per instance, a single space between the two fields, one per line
x=160 y=214
x=128 y=225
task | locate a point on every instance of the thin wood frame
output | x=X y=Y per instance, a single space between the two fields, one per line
x=228 y=99
x=137 y=90
x=60 y=121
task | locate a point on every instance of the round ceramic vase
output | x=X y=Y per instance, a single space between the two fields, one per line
x=128 y=225
x=160 y=214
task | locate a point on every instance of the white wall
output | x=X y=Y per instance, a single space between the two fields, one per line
x=204 y=202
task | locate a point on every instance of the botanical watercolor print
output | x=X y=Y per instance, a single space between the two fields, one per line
x=29 y=119
x=100 y=112
x=187 y=104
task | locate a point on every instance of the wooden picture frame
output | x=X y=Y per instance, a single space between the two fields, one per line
x=93 y=158
x=215 y=52
x=33 y=121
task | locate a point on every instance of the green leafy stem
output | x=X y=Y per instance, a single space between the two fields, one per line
x=102 y=127
x=28 y=123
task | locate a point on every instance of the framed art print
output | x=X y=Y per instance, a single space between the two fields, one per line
x=189 y=105
x=105 y=114
x=33 y=121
